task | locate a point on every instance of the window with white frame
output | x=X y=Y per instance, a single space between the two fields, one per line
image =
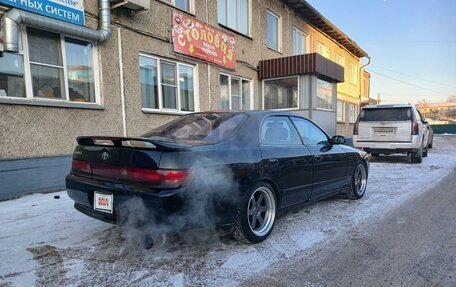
x=340 y=111
x=273 y=22
x=299 y=42
x=50 y=66
x=323 y=50
x=186 y=5
x=340 y=60
x=324 y=95
x=235 y=93
x=280 y=93
x=352 y=113
x=353 y=73
x=234 y=14
x=166 y=85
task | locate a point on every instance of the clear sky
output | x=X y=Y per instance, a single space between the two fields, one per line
x=412 y=44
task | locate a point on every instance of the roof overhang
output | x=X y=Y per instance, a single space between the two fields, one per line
x=313 y=17
x=299 y=65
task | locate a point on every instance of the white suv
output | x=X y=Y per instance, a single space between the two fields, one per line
x=388 y=129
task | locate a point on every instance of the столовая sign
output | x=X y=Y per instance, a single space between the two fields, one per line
x=66 y=10
x=200 y=40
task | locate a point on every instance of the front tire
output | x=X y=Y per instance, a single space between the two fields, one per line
x=432 y=141
x=359 y=182
x=256 y=215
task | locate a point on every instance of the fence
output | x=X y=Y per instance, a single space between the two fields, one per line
x=444 y=129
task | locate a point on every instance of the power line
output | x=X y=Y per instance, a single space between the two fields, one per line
x=411 y=76
x=407 y=41
x=414 y=95
x=404 y=82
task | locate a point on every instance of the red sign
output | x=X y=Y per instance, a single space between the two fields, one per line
x=200 y=40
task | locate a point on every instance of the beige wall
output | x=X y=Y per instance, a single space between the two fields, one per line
x=34 y=131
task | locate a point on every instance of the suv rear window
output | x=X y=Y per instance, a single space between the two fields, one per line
x=207 y=127
x=386 y=114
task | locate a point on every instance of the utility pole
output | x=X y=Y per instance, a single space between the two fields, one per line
x=378 y=99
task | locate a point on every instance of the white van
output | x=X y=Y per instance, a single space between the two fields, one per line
x=388 y=129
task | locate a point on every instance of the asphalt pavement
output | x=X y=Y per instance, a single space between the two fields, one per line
x=415 y=245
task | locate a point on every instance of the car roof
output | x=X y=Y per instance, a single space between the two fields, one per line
x=254 y=112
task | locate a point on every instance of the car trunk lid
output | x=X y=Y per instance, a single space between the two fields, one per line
x=127 y=159
x=385 y=131
x=385 y=125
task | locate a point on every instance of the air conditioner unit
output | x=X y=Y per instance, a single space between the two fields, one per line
x=133 y=5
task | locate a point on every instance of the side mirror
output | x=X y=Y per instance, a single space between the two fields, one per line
x=338 y=140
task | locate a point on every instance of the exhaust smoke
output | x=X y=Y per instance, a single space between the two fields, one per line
x=209 y=188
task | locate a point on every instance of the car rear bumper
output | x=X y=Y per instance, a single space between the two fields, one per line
x=388 y=147
x=170 y=210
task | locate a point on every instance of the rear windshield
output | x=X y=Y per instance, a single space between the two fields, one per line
x=200 y=127
x=386 y=114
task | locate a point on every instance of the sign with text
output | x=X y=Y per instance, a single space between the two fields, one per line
x=66 y=10
x=200 y=40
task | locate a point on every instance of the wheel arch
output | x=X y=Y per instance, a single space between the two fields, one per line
x=275 y=189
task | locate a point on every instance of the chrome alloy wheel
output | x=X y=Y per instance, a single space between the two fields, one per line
x=360 y=180
x=261 y=211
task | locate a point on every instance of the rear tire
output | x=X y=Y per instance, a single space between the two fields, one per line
x=359 y=182
x=417 y=157
x=425 y=152
x=256 y=214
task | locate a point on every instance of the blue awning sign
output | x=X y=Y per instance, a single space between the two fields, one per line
x=66 y=10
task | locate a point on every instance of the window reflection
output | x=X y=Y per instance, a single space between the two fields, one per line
x=186 y=88
x=281 y=93
x=47 y=82
x=272 y=26
x=149 y=82
x=324 y=95
x=80 y=70
x=12 y=75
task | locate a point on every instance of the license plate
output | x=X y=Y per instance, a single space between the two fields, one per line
x=103 y=201
x=384 y=130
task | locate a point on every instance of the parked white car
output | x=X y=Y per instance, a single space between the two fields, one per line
x=389 y=129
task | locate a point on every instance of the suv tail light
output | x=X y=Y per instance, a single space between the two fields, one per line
x=356 y=127
x=414 y=127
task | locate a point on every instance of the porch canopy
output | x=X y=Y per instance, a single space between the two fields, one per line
x=313 y=63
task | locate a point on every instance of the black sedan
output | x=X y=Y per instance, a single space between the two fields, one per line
x=231 y=170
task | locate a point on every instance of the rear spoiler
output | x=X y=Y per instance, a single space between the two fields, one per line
x=132 y=142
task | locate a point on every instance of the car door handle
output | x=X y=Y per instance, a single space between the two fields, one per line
x=318 y=158
x=273 y=162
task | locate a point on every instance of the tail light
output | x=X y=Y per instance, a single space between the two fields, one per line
x=356 y=127
x=79 y=166
x=162 y=178
x=414 y=128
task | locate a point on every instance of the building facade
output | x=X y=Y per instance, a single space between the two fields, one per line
x=160 y=60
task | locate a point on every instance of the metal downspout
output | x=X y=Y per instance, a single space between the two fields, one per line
x=361 y=79
x=15 y=17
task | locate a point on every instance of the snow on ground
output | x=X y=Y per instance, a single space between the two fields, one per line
x=45 y=242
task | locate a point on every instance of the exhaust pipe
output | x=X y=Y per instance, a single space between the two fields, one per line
x=15 y=17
